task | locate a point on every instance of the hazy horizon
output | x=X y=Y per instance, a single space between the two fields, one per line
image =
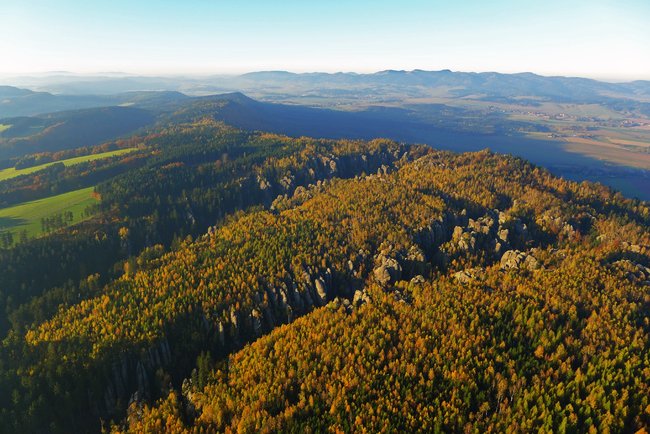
x=601 y=39
x=180 y=75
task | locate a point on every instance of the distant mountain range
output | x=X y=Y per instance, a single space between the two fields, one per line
x=270 y=84
x=464 y=83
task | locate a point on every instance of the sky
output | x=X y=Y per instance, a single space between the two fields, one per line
x=606 y=39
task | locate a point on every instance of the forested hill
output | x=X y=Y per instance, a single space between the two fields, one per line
x=246 y=281
x=456 y=293
x=150 y=111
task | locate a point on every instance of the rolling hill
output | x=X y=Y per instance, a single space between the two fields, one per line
x=439 y=125
x=67 y=130
x=16 y=102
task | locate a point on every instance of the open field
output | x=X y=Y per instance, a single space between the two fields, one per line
x=515 y=111
x=27 y=216
x=12 y=172
x=602 y=150
x=626 y=146
x=591 y=130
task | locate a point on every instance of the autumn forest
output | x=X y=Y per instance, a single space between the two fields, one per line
x=232 y=281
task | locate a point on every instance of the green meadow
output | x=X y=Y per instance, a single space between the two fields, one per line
x=27 y=216
x=12 y=172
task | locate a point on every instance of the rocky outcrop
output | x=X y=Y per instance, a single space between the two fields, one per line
x=321 y=290
x=129 y=378
x=512 y=231
x=431 y=237
x=256 y=322
x=263 y=183
x=360 y=297
x=142 y=380
x=415 y=263
x=479 y=234
x=298 y=184
x=221 y=333
x=234 y=323
x=388 y=270
x=383 y=170
x=483 y=225
x=516 y=260
x=633 y=271
x=417 y=280
x=470 y=275
x=493 y=234
x=357 y=264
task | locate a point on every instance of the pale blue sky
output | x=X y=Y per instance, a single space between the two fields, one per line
x=598 y=38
